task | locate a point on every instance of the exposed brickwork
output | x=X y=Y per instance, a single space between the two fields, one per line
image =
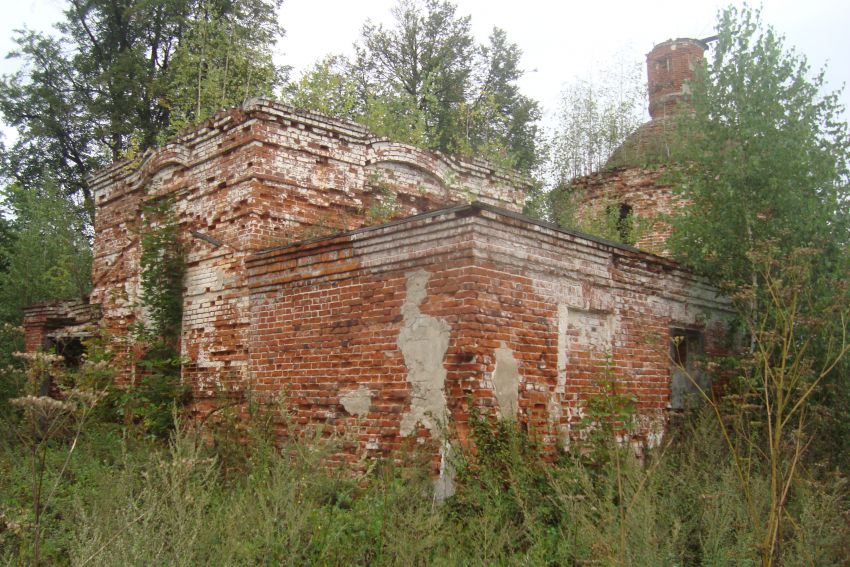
x=642 y=189
x=251 y=178
x=388 y=332
x=669 y=66
x=326 y=317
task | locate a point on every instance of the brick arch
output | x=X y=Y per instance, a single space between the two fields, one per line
x=174 y=154
x=432 y=163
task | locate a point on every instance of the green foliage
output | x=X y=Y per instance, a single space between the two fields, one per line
x=500 y=122
x=764 y=155
x=422 y=62
x=764 y=416
x=120 y=74
x=608 y=415
x=224 y=57
x=44 y=422
x=384 y=205
x=595 y=118
x=44 y=250
x=163 y=267
x=153 y=399
x=158 y=393
x=424 y=81
x=11 y=379
x=326 y=88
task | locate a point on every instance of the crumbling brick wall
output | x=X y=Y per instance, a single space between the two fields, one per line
x=391 y=332
x=643 y=189
x=470 y=305
x=251 y=178
x=47 y=323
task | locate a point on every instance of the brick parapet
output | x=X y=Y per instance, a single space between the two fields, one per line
x=264 y=122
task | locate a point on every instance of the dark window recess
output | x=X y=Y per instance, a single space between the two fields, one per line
x=624 y=222
x=686 y=376
x=71 y=349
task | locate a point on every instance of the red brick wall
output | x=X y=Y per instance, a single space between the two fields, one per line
x=251 y=178
x=669 y=66
x=327 y=317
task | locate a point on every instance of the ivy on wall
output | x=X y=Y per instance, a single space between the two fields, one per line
x=152 y=401
x=163 y=267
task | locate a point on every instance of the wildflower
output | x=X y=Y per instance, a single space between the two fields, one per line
x=43 y=404
x=39 y=357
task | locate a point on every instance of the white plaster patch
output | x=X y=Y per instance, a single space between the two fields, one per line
x=563 y=328
x=444 y=486
x=423 y=341
x=590 y=329
x=506 y=379
x=357 y=402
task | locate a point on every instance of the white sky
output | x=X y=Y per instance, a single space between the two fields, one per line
x=561 y=41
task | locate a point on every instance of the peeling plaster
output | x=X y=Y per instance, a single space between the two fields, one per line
x=423 y=341
x=563 y=327
x=357 y=402
x=506 y=379
x=444 y=486
x=556 y=396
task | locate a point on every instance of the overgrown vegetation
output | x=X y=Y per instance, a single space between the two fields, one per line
x=424 y=80
x=246 y=499
x=605 y=218
x=764 y=172
x=158 y=390
x=384 y=204
x=44 y=250
x=595 y=117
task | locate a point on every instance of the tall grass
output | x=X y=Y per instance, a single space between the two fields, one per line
x=248 y=502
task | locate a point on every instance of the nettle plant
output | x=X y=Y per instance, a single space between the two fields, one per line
x=52 y=411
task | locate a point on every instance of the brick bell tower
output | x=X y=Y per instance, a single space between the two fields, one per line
x=669 y=66
x=632 y=180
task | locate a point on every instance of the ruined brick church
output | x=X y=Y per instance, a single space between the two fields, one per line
x=391 y=331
